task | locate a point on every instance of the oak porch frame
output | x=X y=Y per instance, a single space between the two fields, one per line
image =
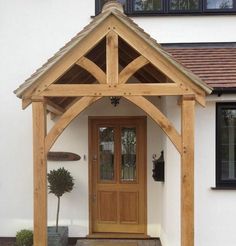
x=114 y=83
x=183 y=143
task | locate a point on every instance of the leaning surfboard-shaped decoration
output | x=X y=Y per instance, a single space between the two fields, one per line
x=62 y=156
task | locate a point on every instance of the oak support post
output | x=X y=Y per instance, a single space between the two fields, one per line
x=187 y=172
x=112 y=58
x=40 y=173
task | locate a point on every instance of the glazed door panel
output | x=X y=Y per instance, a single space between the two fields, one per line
x=118 y=175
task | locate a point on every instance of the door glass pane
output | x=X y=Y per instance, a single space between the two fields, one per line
x=228 y=144
x=184 y=5
x=128 y=152
x=219 y=4
x=147 y=5
x=106 y=149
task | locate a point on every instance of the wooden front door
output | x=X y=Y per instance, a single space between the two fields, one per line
x=118 y=175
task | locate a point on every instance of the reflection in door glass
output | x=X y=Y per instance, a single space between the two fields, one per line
x=106 y=149
x=128 y=151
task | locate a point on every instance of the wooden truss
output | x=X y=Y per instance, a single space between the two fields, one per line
x=113 y=82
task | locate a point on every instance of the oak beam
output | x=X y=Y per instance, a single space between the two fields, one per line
x=93 y=69
x=66 y=118
x=40 y=173
x=132 y=68
x=187 y=172
x=152 y=89
x=54 y=108
x=159 y=118
x=25 y=102
x=112 y=59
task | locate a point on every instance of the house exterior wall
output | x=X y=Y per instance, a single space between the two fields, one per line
x=170 y=224
x=214 y=209
x=30 y=33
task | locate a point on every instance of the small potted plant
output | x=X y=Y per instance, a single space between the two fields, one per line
x=60 y=181
x=24 y=238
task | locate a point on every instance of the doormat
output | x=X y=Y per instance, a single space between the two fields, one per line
x=118 y=242
x=112 y=244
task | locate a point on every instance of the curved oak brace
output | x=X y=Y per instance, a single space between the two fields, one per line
x=66 y=119
x=132 y=68
x=159 y=118
x=93 y=69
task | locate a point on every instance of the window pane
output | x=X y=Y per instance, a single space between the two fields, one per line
x=147 y=5
x=106 y=148
x=128 y=151
x=228 y=144
x=219 y=4
x=123 y=2
x=184 y=5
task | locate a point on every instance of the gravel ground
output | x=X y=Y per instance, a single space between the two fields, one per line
x=4 y=242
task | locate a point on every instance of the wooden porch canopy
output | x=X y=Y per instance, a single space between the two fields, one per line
x=111 y=56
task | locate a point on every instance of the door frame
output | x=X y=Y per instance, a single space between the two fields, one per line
x=91 y=185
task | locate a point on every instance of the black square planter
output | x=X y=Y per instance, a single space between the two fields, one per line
x=59 y=238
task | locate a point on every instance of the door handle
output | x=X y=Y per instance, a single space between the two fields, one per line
x=95 y=158
x=94 y=198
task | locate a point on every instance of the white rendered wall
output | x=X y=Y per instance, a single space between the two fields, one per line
x=170 y=224
x=30 y=33
x=214 y=209
x=189 y=29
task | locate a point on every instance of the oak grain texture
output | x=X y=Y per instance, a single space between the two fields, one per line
x=40 y=174
x=187 y=172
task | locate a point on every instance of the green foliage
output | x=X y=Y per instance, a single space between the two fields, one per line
x=60 y=182
x=24 y=238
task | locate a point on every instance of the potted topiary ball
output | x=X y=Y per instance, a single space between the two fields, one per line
x=60 y=181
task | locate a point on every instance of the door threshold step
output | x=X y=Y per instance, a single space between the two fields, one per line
x=104 y=243
x=118 y=242
x=118 y=236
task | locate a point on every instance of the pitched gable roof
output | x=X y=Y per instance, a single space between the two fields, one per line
x=115 y=9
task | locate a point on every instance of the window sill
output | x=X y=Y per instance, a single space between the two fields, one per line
x=223 y=188
x=175 y=14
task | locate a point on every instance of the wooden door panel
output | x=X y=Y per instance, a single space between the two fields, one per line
x=118 y=175
x=107 y=206
x=129 y=207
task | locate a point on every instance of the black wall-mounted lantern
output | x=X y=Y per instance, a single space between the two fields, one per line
x=115 y=101
x=158 y=171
